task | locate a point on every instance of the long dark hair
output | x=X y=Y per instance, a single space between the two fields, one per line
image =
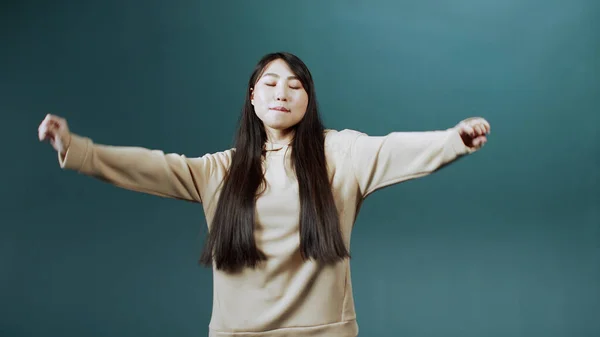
x=230 y=243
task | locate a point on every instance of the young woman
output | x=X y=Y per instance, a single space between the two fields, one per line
x=281 y=204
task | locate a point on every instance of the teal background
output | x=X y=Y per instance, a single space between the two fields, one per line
x=503 y=243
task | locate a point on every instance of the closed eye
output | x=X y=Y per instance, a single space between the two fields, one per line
x=291 y=87
x=271 y=84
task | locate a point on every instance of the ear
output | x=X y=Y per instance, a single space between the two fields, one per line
x=252 y=96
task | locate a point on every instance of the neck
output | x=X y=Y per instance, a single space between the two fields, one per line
x=281 y=137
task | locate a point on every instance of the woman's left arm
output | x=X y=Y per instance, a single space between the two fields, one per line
x=380 y=161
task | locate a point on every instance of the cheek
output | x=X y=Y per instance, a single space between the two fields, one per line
x=261 y=104
x=302 y=103
x=260 y=98
x=300 y=99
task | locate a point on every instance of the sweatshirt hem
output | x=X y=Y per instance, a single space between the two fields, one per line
x=339 y=329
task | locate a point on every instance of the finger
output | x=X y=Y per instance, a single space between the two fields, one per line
x=61 y=120
x=53 y=119
x=43 y=124
x=485 y=125
x=61 y=124
x=53 y=127
x=48 y=118
x=48 y=132
x=46 y=135
x=54 y=124
x=42 y=129
x=466 y=128
x=482 y=129
x=480 y=141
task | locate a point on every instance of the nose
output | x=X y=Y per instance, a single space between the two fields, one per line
x=281 y=93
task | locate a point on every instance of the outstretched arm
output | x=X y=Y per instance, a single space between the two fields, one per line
x=134 y=168
x=399 y=156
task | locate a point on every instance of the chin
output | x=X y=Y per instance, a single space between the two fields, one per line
x=280 y=123
x=279 y=126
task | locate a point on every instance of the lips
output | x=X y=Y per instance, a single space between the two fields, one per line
x=280 y=108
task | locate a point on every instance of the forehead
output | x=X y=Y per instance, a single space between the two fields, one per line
x=277 y=68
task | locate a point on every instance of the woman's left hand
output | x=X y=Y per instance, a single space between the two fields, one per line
x=473 y=131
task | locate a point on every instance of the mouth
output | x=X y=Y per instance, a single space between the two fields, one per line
x=280 y=108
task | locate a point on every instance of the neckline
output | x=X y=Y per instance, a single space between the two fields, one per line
x=275 y=146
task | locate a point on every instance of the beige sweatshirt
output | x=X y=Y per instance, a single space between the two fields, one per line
x=285 y=296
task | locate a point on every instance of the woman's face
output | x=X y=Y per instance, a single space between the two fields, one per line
x=279 y=99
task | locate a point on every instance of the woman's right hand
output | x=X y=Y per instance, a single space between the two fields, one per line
x=55 y=130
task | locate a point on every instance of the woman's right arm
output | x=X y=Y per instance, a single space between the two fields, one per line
x=133 y=168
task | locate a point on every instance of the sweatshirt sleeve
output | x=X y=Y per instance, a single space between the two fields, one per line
x=380 y=161
x=138 y=169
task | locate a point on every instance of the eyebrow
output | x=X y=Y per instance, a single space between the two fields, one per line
x=275 y=75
